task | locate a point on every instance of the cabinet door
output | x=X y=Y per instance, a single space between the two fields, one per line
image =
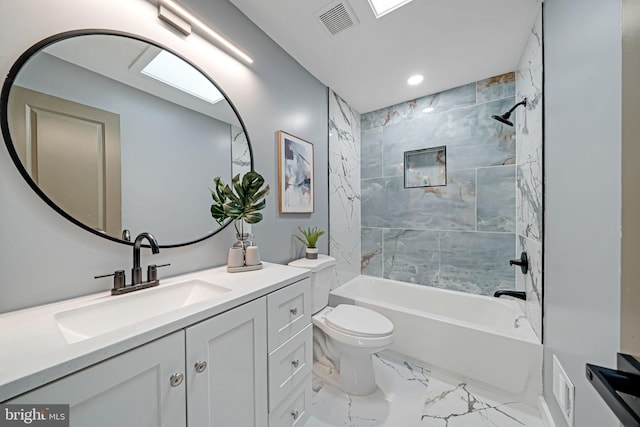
x=231 y=389
x=130 y=390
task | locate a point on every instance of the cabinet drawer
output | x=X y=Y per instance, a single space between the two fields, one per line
x=295 y=410
x=289 y=364
x=288 y=312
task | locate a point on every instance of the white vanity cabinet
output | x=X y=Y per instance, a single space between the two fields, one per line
x=130 y=390
x=227 y=368
x=290 y=354
x=248 y=367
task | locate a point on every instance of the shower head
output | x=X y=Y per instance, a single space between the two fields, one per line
x=505 y=117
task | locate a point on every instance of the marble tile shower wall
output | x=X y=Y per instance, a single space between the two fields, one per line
x=460 y=236
x=529 y=172
x=344 y=188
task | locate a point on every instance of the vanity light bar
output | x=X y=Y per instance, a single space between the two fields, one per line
x=183 y=13
x=171 y=18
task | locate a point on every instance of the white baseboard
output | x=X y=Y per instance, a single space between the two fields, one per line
x=545 y=413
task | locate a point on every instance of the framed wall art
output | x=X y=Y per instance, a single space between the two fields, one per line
x=295 y=174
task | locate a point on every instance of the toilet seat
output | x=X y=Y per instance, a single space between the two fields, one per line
x=383 y=339
x=358 y=321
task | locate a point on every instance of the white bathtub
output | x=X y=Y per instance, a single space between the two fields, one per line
x=486 y=341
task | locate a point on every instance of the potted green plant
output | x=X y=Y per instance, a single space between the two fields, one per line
x=239 y=202
x=310 y=240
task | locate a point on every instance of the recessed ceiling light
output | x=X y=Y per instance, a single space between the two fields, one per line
x=382 y=7
x=414 y=80
x=428 y=110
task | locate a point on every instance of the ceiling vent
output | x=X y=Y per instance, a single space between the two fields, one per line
x=337 y=17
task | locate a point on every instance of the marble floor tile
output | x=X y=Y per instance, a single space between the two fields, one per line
x=412 y=396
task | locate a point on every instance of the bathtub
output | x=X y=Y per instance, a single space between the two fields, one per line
x=483 y=340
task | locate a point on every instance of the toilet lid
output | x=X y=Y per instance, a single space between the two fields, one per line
x=359 y=321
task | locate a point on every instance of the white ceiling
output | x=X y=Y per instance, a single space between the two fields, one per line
x=450 y=42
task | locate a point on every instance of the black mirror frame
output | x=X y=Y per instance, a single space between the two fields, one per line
x=4 y=122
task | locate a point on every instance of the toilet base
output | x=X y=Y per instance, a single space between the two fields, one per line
x=358 y=381
x=345 y=355
x=356 y=374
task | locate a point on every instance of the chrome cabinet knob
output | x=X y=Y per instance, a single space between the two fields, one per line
x=293 y=311
x=200 y=366
x=295 y=363
x=295 y=414
x=176 y=379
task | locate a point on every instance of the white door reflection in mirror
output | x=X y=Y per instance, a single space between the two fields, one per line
x=72 y=152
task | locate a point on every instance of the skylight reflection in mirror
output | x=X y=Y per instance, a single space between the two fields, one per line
x=173 y=71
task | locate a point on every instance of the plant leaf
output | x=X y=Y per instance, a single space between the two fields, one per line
x=241 y=200
x=253 y=217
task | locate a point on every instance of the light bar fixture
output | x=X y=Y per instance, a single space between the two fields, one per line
x=174 y=20
x=179 y=11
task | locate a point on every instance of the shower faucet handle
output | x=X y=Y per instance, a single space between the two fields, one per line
x=523 y=262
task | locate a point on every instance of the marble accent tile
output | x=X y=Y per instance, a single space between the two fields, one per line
x=387 y=204
x=442 y=101
x=494 y=88
x=471 y=262
x=529 y=177
x=497 y=199
x=458 y=404
x=240 y=154
x=531 y=283
x=372 y=256
x=371 y=153
x=344 y=188
x=532 y=53
x=529 y=136
x=411 y=396
x=472 y=137
x=529 y=196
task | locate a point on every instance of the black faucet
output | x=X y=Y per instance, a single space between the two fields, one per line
x=119 y=281
x=136 y=271
x=516 y=294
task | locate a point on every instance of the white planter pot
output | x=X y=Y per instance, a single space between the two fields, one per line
x=312 y=253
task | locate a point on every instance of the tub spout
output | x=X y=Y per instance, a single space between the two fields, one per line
x=516 y=294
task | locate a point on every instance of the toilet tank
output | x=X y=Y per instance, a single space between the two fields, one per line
x=322 y=275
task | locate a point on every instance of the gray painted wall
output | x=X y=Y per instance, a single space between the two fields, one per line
x=44 y=257
x=630 y=333
x=582 y=50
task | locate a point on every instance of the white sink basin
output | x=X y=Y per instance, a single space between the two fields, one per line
x=116 y=312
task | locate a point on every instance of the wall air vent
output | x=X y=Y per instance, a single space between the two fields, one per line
x=337 y=17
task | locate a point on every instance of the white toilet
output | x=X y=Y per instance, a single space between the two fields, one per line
x=345 y=337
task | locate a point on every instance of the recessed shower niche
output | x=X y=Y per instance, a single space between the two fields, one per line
x=426 y=167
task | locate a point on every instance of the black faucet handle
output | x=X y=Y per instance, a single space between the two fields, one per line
x=523 y=262
x=152 y=271
x=119 y=278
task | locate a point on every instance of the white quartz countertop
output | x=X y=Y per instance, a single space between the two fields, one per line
x=35 y=352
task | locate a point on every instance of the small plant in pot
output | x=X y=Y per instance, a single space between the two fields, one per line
x=239 y=202
x=310 y=238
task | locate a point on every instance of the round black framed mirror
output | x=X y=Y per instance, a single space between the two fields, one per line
x=121 y=135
